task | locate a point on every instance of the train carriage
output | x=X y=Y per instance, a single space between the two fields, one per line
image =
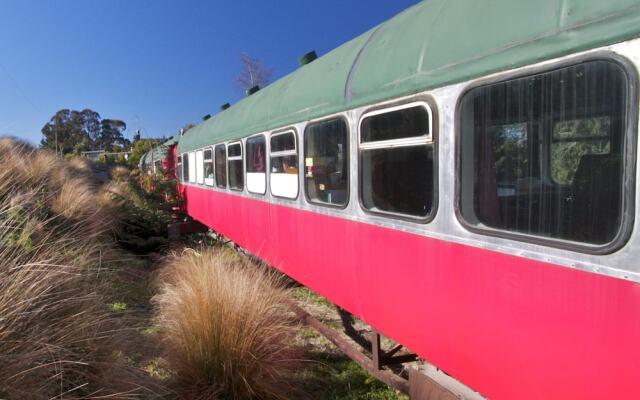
x=160 y=158
x=463 y=178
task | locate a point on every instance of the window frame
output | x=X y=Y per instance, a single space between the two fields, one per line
x=215 y=168
x=266 y=165
x=347 y=152
x=430 y=140
x=178 y=169
x=236 y=158
x=204 y=170
x=629 y=153
x=285 y=153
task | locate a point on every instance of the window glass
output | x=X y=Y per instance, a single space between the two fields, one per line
x=256 y=164
x=179 y=168
x=236 y=173
x=208 y=167
x=326 y=162
x=543 y=155
x=398 y=124
x=283 y=142
x=199 y=167
x=284 y=165
x=192 y=167
x=397 y=177
x=185 y=167
x=574 y=139
x=221 y=165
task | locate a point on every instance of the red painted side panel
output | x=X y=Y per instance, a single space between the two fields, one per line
x=509 y=327
x=169 y=162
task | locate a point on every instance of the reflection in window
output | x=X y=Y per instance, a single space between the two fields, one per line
x=284 y=165
x=221 y=166
x=543 y=155
x=397 y=168
x=256 y=164
x=185 y=167
x=208 y=167
x=236 y=173
x=574 y=139
x=179 y=169
x=326 y=162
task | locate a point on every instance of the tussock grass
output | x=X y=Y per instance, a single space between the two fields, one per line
x=57 y=338
x=227 y=331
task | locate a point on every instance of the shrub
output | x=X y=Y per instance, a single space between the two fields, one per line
x=57 y=338
x=227 y=330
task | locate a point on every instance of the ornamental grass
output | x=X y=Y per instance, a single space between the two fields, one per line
x=226 y=328
x=57 y=339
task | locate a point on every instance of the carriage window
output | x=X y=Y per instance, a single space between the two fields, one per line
x=185 y=167
x=192 y=167
x=208 y=167
x=326 y=162
x=236 y=173
x=284 y=165
x=396 y=161
x=179 y=168
x=544 y=155
x=221 y=165
x=199 y=167
x=256 y=165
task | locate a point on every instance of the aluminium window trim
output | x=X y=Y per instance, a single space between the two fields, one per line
x=284 y=153
x=209 y=160
x=429 y=140
x=219 y=185
x=342 y=116
x=629 y=142
x=235 y=158
x=266 y=164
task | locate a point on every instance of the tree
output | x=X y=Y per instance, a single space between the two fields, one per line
x=252 y=73
x=71 y=131
x=64 y=131
x=111 y=136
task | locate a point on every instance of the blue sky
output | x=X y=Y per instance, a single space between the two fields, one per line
x=157 y=65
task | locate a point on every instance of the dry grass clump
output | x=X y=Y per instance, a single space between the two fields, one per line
x=227 y=330
x=120 y=173
x=56 y=338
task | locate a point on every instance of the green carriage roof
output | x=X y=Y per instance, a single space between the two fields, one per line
x=434 y=43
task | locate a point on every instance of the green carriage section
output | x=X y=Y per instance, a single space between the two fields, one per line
x=432 y=44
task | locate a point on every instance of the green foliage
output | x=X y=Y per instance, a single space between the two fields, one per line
x=146 y=211
x=138 y=149
x=71 y=131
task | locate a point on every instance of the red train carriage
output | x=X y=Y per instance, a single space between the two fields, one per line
x=161 y=158
x=463 y=178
